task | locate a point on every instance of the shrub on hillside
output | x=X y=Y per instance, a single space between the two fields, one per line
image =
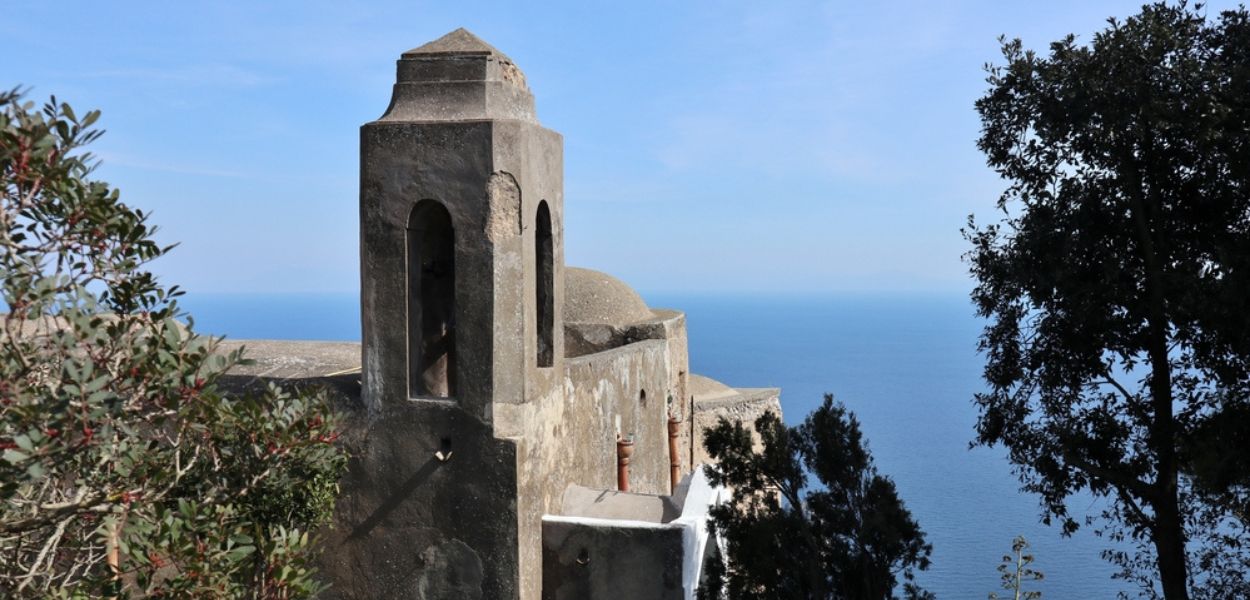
x=124 y=470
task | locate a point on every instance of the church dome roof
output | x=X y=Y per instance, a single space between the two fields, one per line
x=594 y=297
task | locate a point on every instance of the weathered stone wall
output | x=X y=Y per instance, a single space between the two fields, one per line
x=584 y=562
x=610 y=545
x=569 y=437
x=409 y=525
x=402 y=164
x=670 y=325
x=533 y=156
x=584 y=339
x=406 y=524
x=623 y=387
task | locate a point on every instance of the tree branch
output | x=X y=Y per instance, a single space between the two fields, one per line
x=1115 y=476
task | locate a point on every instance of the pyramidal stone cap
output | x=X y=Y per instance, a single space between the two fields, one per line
x=459 y=77
x=459 y=42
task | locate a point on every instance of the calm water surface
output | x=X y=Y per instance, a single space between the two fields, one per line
x=905 y=364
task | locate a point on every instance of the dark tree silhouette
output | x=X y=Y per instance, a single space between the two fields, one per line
x=1117 y=286
x=850 y=538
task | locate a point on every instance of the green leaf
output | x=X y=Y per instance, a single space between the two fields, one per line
x=239 y=552
x=15 y=456
x=23 y=442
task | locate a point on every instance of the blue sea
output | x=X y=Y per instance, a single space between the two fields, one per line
x=906 y=364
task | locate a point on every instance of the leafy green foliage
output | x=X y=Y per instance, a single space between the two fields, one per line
x=124 y=471
x=1016 y=572
x=850 y=538
x=1116 y=284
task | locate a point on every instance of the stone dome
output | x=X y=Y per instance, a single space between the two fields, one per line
x=594 y=297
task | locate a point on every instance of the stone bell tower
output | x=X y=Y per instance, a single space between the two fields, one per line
x=462 y=266
x=461 y=206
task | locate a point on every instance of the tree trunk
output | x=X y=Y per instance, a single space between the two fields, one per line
x=1169 y=541
x=1168 y=532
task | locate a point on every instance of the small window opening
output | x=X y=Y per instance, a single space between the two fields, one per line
x=544 y=284
x=431 y=301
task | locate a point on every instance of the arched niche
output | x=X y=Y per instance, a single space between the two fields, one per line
x=431 y=301
x=544 y=288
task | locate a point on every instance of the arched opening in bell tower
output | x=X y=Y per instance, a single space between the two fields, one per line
x=431 y=301
x=544 y=284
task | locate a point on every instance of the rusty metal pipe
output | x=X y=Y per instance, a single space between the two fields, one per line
x=624 y=450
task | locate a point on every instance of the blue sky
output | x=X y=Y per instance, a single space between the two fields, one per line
x=709 y=146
